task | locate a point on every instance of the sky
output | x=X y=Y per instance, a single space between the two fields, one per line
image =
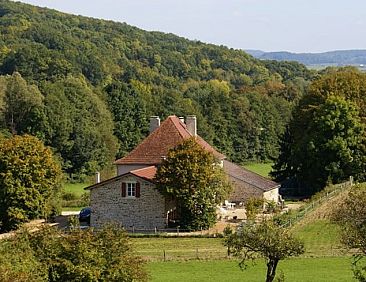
x=268 y=25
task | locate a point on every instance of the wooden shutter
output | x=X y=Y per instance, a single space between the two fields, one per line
x=123 y=189
x=137 y=189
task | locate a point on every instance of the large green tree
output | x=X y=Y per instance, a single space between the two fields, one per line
x=326 y=140
x=29 y=181
x=193 y=177
x=263 y=240
x=22 y=105
x=79 y=126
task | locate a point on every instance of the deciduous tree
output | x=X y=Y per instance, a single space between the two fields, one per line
x=29 y=181
x=194 y=178
x=350 y=215
x=264 y=240
x=326 y=140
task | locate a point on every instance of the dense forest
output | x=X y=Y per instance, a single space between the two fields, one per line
x=87 y=87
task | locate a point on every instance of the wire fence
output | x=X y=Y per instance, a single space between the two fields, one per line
x=187 y=254
x=327 y=194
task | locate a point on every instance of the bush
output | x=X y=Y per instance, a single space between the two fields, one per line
x=80 y=255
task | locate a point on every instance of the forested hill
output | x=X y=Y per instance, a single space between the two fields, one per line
x=340 y=58
x=86 y=87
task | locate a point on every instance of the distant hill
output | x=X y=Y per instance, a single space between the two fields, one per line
x=338 y=58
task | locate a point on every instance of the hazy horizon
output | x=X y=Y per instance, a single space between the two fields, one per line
x=288 y=25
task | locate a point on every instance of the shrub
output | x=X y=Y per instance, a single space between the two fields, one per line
x=79 y=255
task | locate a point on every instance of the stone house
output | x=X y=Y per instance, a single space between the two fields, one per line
x=131 y=199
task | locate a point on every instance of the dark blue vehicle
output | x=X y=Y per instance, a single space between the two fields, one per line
x=84 y=215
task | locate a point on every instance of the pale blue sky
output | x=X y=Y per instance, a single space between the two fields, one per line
x=269 y=25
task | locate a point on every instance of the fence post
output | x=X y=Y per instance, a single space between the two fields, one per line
x=164 y=256
x=197 y=253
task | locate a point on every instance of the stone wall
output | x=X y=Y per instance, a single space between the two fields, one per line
x=145 y=212
x=271 y=195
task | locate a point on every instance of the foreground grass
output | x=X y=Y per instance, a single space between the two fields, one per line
x=296 y=269
x=76 y=188
x=260 y=168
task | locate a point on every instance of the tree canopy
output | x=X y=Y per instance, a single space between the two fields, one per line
x=326 y=139
x=194 y=178
x=29 y=181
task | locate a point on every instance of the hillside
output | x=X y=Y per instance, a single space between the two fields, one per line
x=336 y=58
x=98 y=81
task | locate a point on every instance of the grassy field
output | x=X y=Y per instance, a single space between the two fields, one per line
x=260 y=168
x=296 y=269
x=321 y=238
x=76 y=188
x=324 y=259
x=76 y=202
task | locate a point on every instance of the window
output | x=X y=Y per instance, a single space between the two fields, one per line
x=131 y=189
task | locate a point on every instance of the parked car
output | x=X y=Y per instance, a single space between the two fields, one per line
x=84 y=215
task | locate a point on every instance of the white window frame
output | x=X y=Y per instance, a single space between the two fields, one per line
x=131 y=186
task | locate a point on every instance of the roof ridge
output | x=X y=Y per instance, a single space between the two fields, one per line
x=169 y=134
x=249 y=180
x=177 y=123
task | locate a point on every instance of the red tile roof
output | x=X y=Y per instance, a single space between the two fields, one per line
x=243 y=175
x=154 y=147
x=147 y=173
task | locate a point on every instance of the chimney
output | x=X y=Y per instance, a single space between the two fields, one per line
x=154 y=123
x=181 y=119
x=191 y=124
x=97 y=177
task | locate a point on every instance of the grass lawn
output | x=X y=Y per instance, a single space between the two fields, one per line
x=76 y=188
x=296 y=269
x=68 y=209
x=260 y=168
x=321 y=239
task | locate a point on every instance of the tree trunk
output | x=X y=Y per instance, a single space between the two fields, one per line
x=271 y=269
